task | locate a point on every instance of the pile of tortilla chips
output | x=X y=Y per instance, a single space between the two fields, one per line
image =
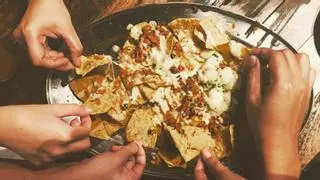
x=174 y=90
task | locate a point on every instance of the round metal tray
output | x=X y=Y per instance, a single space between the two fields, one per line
x=102 y=35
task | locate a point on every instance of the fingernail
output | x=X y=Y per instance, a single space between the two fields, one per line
x=88 y=110
x=253 y=61
x=206 y=153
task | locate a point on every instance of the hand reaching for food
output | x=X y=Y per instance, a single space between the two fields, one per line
x=275 y=116
x=214 y=167
x=124 y=163
x=49 y=19
x=39 y=133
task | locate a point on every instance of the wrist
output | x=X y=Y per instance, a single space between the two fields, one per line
x=280 y=159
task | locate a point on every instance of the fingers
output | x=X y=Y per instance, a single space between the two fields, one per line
x=83 y=131
x=42 y=55
x=199 y=171
x=292 y=62
x=216 y=168
x=140 y=161
x=304 y=64
x=40 y=52
x=66 y=67
x=78 y=146
x=75 y=47
x=126 y=153
x=277 y=61
x=254 y=84
x=75 y=122
x=63 y=110
x=116 y=148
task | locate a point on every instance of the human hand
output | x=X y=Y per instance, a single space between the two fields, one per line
x=210 y=162
x=39 y=134
x=124 y=163
x=49 y=19
x=275 y=117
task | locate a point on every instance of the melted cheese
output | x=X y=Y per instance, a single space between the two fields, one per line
x=159 y=97
x=206 y=118
x=228 y=78
x=163 y=62
x=136 y=96
x=209 y=71
x=218 y=100
x=236 y=49
x=136 y=31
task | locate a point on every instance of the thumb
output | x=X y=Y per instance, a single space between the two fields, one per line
x=254 y=84
x=63 y=110
x=218 y=170
x=75 y=47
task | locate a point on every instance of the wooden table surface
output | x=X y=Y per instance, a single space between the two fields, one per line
x=27 y=86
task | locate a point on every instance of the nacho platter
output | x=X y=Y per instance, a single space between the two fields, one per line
x=103 y=35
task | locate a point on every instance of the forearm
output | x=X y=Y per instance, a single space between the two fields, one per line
x=13 y=171
x=279 y=158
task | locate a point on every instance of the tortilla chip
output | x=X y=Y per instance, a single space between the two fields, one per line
x=183 y=27
x=168 y=152
x=222 y=141
x=98 y=130
x=136 y=97
x=191 y=140
x=212 y=36
x=147 y=92
x=91 y=62
x=127 y=53
x=110 y=125
x=143 y=126
x=113 y=95
x=84 y=87
x=101 y=103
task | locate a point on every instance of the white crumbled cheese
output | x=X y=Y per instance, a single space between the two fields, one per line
x=159 y=97
x=210 y=75
x=115 y=48
x=164 y=62
x=157 y=120
x=153 y=23
x=236 y=49
x=189 y=46
x=228 y=78
x=136 y=32
x=206 y=118
x=209 y=71
x=135 y=94
x=129 y=27
x=218 y=100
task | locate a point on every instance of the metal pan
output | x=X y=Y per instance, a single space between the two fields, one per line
x=102 y=35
